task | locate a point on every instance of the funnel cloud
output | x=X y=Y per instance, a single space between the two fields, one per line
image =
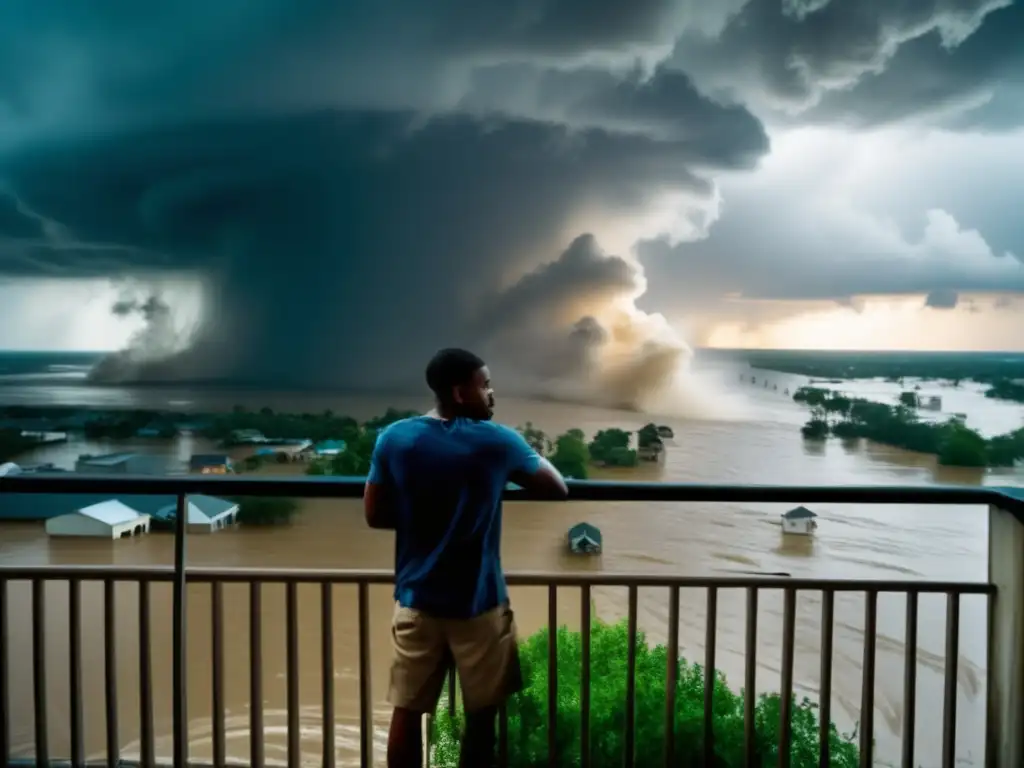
x=354 y=185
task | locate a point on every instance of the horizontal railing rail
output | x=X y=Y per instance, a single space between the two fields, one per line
x=1004 y=591
x=321 y=486
x=206 y=575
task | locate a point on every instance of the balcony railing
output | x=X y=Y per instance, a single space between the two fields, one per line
x=1003 y=592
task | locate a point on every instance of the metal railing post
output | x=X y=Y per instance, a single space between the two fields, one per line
x=5 y=707
x=1005 y=737
x=179 y=637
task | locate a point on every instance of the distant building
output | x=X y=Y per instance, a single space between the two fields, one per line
x=291 y=449
x=328 y=448
x=584 y=539
x=109 y=519
x=47 y=467
x=45 y=438
x=206 y=514
x=933 y=403
x=242 y=436
x=210 y=464
x=121 y=464
x=800 y=521
x=651 y=452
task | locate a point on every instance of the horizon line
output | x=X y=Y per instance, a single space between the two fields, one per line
x=858 y=351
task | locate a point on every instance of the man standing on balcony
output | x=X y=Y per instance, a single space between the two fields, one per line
x=437 y=481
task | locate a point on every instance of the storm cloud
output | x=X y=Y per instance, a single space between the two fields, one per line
x=356 y=184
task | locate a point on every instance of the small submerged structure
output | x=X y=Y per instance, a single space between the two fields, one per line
x=650 y=441
x=800 y=521
x=584 y=539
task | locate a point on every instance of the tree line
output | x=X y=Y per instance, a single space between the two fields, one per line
x=899 y=425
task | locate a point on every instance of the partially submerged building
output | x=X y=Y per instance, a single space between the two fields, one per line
x=800 y=521
x=110 y=519
x=210 y=464
x=206 y=514
x=584 y=539
x=122 y=463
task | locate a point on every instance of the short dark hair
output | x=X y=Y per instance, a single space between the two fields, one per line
x=451 y=368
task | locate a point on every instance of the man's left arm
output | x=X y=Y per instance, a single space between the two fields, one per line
x=379 y=492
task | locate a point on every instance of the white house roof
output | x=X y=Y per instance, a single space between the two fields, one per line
x=111 y=512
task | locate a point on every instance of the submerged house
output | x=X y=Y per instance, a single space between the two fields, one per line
x=245 y=436
x=584 y=539
x=110 y=519
x=800 y=520
x=206 y=514
x=123 y=463
x=329 y=448
x=210 y=463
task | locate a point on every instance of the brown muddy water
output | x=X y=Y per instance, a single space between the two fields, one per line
x=760 y=443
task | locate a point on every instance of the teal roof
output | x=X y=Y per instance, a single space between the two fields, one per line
x=330 y=445
x=799 y=513
x=211 y=506
x=585 y=529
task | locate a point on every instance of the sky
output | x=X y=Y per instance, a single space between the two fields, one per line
x=324 y=193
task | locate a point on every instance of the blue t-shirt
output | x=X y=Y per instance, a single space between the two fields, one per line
x=446 y=479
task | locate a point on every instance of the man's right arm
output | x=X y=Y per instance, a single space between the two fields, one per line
x=379 y=491
x=531 y=471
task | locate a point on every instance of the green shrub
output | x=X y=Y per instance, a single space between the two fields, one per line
x=527 y=712
x=265 y=510
x=815 y=429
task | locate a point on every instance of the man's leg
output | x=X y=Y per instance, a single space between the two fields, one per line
x=405 y=739
x=417 y=676
x=478 y=741
x=486 y=654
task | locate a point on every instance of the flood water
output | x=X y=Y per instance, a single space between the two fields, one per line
x=761 y=444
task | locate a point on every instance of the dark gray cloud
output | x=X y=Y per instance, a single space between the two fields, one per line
x=343 y=220
x=973 y=85
x=312 y=229
x=663 y=104
x=869 y=61
x=358 y=183
x=582 y=274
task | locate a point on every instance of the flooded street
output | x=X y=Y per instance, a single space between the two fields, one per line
x=760 y=445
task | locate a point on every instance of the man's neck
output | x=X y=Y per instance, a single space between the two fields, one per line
x=443 y=412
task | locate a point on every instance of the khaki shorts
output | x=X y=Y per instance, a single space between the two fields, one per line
x=483 y=649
